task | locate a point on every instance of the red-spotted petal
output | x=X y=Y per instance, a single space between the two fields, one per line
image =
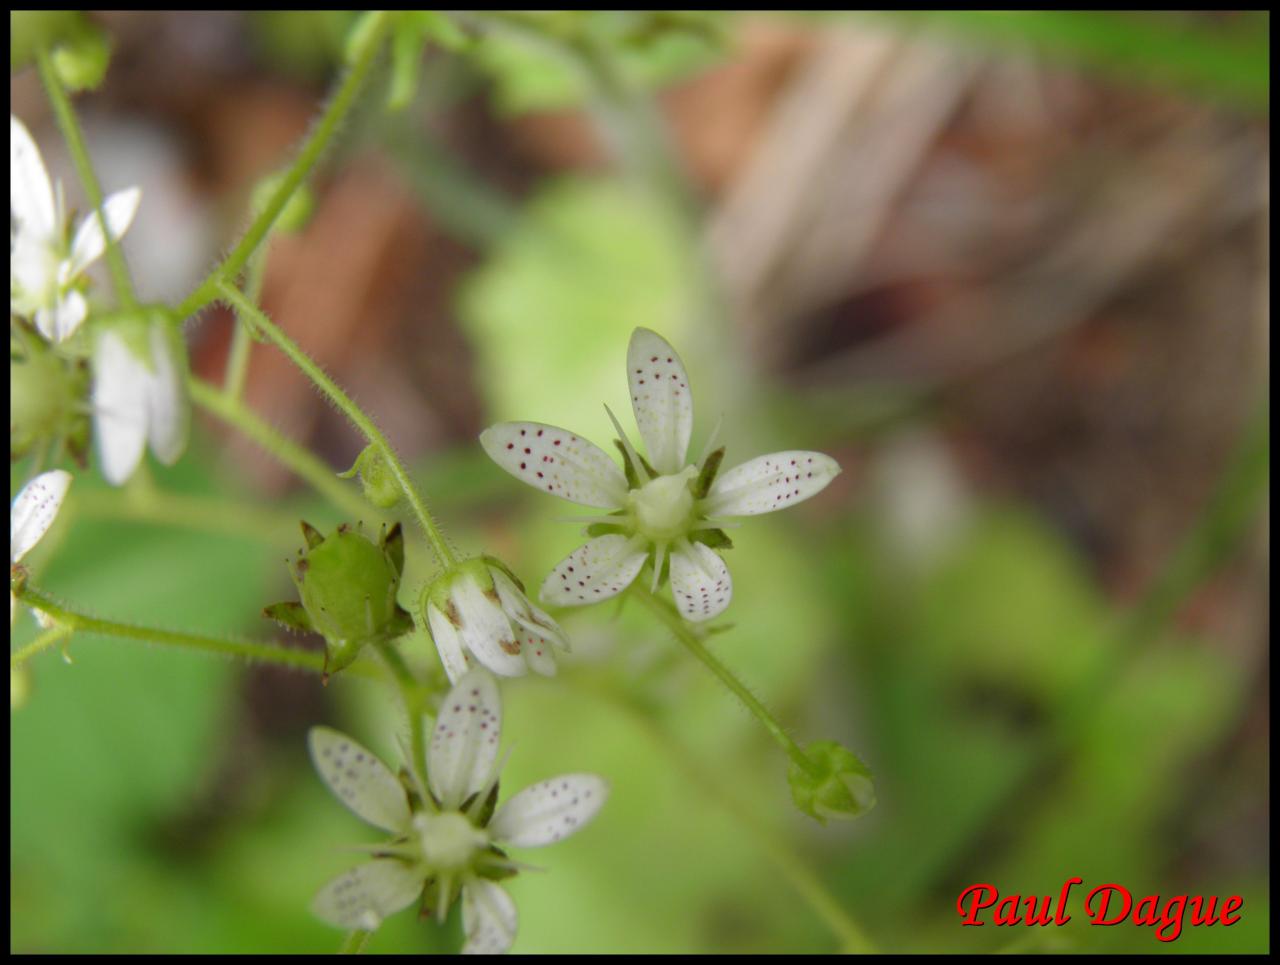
x=544 y=813
x=489 y=918
x=556 y=461
x=700 y=582
x=596 y=570
x=359 y=780
x=771 y=482
x=660 y=398
x=34 y=510
x=369 y=892
x=464 y=744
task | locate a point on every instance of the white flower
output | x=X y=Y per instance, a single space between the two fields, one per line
x=43 y=267
x=446 y=840
x=478 y=610
x=136 y=399
x=660 y=509
x=31 y=515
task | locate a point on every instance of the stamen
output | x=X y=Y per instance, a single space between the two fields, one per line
x=631 y=452
x=659 y=557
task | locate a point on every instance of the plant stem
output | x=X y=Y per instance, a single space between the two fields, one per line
x=297 y=458
x=685 y=634
x=807 y=884
x=411 y=693
x=74 y=622
x=51 y=637
x=348 y=407
x=241 y=337
x=74 y=137
x=312 y=150
x=354 y=942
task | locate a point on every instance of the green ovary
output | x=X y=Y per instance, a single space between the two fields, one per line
x=663 y=507
x=449 y=840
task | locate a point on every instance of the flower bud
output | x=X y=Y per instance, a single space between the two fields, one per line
x=839 y=787
x=347 y=586
x=478 y=610
x=379 y=485
x=81 y=61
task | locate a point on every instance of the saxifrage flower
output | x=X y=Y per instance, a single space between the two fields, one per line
x=661 y=509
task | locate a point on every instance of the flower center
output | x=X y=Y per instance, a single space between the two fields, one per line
x=663 y=506
x=448 y=840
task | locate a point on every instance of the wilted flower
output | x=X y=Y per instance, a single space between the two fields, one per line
x=44 y=267
x=31 y=515
x=661 y=509
x=478 y=610
x=139 y=396
x=446 y=837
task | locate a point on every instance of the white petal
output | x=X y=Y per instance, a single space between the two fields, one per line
x=488 y=918
x=596 y=570
x=168 y=413
x=448 y=644
x=362 y=897
x=34 y=510
x=538 y=652
x=766 y=483
x=486 y=629
x=700 y=581
x=523 y=612
x=89 y=242
x=359 y=780
x=464 y=744
x=120 y=389
x=68 y=314
x=546 y=812
x=660 y=398
x=557 y=462
x=30 y=193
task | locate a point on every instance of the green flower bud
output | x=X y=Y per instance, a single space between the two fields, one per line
x=297 y=210
x=347 y=584
x=840 y=788
x=47 y=394
x=29 y=30
x=379 y=484
x=81 y=62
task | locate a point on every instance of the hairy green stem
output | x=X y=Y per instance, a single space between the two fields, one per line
x=304 y=464
x=312 y=150
x=807 y=884
x=50 y=638
x=685 y=634
x=71 y=133
x=242 y=337
x=349 y=408
x=76 y=622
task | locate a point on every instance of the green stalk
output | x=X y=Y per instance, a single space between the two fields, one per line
x=684 y=633
x=349 y=408
x=312 y=150
x=71 y=133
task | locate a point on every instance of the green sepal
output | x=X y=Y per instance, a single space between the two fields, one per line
x=494 y=872
x=392 y=543
x=485 y=814
x=840 y=786
x=291 y=615
x=717 y=539
x=401 y=622
x=311 y=534
x=707 y=475
x=633 y=480
x=604 y=529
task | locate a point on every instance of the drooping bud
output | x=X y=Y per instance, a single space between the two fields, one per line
x=478 y=610
x=840 y=786
x=81 y=60
x=347 y=586
x=379 y=485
